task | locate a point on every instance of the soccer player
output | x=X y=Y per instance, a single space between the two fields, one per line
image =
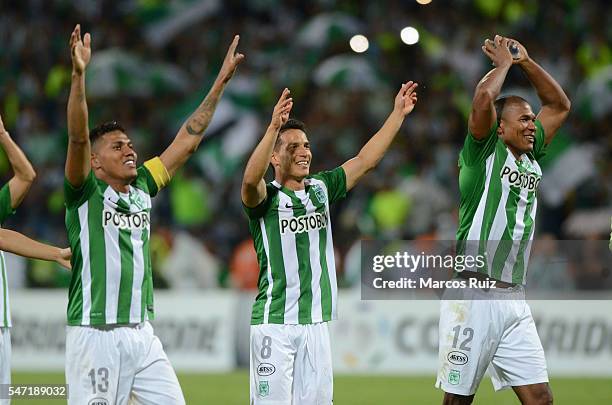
x=290 y=224
x=112 y=355
x=498 y=180
x=11 y=195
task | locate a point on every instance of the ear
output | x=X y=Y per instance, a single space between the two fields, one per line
x=95 y=163
x=500 y=128
x=274 y=160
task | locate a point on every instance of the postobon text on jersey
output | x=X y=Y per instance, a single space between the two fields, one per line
x=139 y=220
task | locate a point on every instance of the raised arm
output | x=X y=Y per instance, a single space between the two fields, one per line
x=190 y=135
x=14 y=242
x=78 y=163
x=371 y=153
x=253 y=190
x=483 y=116
x=555 y=103
x=24 y=173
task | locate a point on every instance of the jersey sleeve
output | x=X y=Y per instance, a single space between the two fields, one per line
x=261 y=209
x=476 y=151
x=152 y=176
x=76 y=196
x=539 y=147
x=6 y=208
x=335 y=181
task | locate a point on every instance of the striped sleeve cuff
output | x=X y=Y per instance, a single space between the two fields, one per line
x=158 y=172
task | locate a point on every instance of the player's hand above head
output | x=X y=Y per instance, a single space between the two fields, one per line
x=522 y=55
x=231 y=61
x=497 y=50
x=406 y=98
x=80 y=49
x=281 y=111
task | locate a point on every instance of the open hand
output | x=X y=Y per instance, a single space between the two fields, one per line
x=497 y=50
x=231 y=61
x=406 y=98
x=80 y=50
x=281 y=111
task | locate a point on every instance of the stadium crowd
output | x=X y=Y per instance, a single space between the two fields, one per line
x=153 y=62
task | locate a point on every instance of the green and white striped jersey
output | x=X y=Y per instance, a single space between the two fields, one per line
x=293 y=239
x=498 y=204
x=5 y=211
x=109 y=237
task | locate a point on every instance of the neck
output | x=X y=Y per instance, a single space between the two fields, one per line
x=292 y=183
x=515 y=152
x=119 y=186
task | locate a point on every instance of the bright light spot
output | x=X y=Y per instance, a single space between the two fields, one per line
x=423 y=1
x=359 y=43
x=410 y=35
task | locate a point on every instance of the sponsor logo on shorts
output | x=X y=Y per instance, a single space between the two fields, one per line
x=453 y=377
x=265 y=369
x=457 y=358
x=263 y=389
x=98 y=401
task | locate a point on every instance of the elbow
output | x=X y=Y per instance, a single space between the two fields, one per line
x=483 y=96
x=566 y=104
x=27 y=176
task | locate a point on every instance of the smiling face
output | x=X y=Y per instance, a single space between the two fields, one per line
x=517 y=127
x=113 y=158
x=291 y=157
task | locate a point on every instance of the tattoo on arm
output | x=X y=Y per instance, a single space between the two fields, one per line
x=199 y=120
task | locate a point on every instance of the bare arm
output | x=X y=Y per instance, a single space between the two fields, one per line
x=24 y=173
x=483 y=116
x=373 y=151
x=14 y=242
x=190 y=135
x=253 y=190
x=78 y=163
x=555 y=103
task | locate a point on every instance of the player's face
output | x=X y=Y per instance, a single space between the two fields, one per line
x=517 y=127
x=293 y=156
x=114 y=155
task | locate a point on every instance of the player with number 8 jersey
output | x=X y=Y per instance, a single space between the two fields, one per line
x=289 y=220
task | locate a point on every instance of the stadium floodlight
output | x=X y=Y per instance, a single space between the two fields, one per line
x=423 y=2
x=409 y=35
x=359 y=43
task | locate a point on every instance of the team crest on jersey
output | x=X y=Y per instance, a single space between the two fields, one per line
x=263 y=389
x=319 y=193
x=137 y=200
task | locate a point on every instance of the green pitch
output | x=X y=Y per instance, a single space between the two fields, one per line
x=232 y=388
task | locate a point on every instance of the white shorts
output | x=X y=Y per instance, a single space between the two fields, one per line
x=5 y=360
x=117 y=364
x=291 y=364
x=493 y=328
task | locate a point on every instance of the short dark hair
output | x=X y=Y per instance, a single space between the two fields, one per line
x=291 y=123
x=104 y=128
x=501 y=102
